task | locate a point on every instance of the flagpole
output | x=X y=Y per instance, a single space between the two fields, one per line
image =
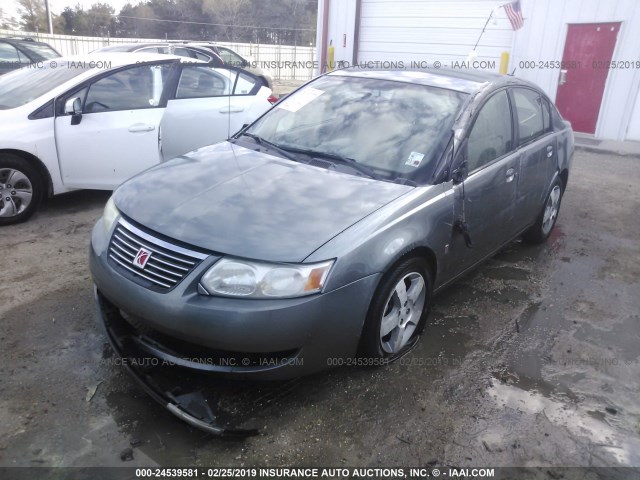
x=483 y=29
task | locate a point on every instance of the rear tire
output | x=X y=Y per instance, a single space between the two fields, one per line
x=21 y=189
x=398 y=312
x=543 y=227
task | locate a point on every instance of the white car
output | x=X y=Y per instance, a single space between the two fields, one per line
x=94 y=121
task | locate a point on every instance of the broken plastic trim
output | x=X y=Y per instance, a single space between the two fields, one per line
x=191 y=407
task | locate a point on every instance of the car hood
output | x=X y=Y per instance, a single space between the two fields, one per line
x=236 y=201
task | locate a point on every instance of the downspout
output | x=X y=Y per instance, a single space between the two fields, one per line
x=356 y=32
x=325 y=34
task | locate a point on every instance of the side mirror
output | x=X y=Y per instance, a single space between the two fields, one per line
x=73 y=106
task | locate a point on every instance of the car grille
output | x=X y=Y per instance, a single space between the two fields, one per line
x=148 y=260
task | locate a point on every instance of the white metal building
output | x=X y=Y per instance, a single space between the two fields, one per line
x=584 y=54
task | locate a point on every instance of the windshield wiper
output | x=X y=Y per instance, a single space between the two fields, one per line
x=262 y=142
x=334 y=157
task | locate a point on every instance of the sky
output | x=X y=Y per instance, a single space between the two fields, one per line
x=10 y=7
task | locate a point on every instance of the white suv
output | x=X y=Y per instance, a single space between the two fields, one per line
x=94 y=121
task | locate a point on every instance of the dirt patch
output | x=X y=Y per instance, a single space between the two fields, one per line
x=523 y=362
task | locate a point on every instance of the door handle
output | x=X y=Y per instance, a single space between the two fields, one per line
x=141 y=127
x=232 y=110
x=511 y=173
x=563 y=77
x=549 y=151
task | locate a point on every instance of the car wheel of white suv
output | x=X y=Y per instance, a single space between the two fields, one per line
x=21 y=189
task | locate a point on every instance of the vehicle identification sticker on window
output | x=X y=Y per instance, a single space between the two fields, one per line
x=300 y=99
x=415 y=159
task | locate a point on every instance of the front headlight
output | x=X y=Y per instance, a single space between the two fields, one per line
x=110 y=215
x=231 y=277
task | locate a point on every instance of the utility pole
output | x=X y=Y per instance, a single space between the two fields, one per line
x=46 y=6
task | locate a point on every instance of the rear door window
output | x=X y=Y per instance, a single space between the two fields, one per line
x=204 y=82
x=531 y=121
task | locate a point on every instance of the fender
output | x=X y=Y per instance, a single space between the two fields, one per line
x=46 y=175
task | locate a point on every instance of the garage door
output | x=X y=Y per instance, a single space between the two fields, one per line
x=429 y=30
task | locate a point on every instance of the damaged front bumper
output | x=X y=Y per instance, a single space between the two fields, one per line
x=190 y=406
x=190 y=346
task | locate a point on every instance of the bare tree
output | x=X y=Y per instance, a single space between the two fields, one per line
x=32 y=15
x=229 y=13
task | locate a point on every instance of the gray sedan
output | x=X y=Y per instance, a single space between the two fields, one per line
x=319 y=233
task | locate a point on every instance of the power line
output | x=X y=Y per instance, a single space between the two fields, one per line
x=209 y=24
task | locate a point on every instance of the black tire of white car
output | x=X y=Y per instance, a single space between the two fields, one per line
x=406 y=315
x=538 y=233
x=22 y=189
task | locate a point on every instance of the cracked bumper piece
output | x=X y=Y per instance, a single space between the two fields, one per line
x=192 y=407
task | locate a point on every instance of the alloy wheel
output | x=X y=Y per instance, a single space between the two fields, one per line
x=402 y=312
x=551 y=210
x=16 y=192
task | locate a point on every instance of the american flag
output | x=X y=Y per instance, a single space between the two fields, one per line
x=514 y=12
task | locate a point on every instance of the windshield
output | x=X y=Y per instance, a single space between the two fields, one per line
x=22 y=86
x=396 y=129
x=43 y=51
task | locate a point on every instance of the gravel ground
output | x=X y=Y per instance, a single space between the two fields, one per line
x=531 y=360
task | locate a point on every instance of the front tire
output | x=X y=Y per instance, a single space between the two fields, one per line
x=398 y=311
x=21 y=189
x=543 y=227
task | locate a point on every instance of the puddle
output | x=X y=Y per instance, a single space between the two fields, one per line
x=514 y=253
x=506 y=273
x=578 y=422
x=447 y=337
x=153 y=430
x=623 y=337
x=511 y=295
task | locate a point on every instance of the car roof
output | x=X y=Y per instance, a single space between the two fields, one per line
x=200 y=42
x=20 y=41
x=466 y=81
x=168 y=43
x=134 y=45
x=121 y=59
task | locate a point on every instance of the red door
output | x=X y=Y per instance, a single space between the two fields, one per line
x=587 y=51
